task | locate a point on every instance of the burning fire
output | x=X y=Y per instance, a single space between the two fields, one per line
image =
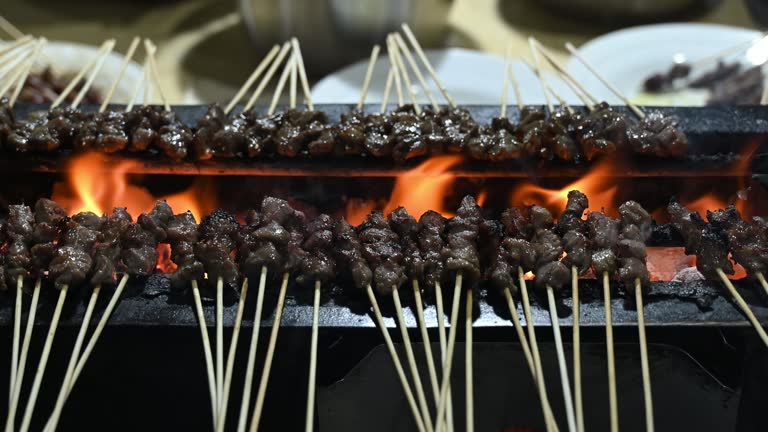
x=93 y=186
x=598 y=185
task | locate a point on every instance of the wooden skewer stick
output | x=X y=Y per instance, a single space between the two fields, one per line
x=19 y=378
x=139 y=84
x=572 y=49
x=254 y=75
x=612 y=399
x=420 y=52
x=515 y=86
x=252 y=352
x=387 y=89
x=645 y=368
x=567 y=77
x=425 y=338
x=564 y=381
x=396 y=360
x=302 y=74
x=126 y=61
x=95 y=71
x=80 y=74
x=27 y=419
x=11 y=66
x=21 y=42
x=267 y=76
x=545 y=408
x=294 y=67
x=764 y=96
x=398 y=82
x=743 y=306
x=206 y=350
x=469 y=385
x=505 y=84
x=761 y=278
x=537 y=69
x=415 y=68
x=26 y=69
x=222 y=418
x=395 y=54
x=259 y=404
x=443 y=342
x=368 y=75
x=16 y=336
x=11 y=29
x=151 y=50
x=445 y=385
x=146 y=99
x=54 y=421
x=310 y=418
x=550 y=421
x=411 y=360
x=577 y=351
x=219 y=344
x=281 y=83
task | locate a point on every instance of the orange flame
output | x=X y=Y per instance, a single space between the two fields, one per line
x=95 y=186
x=424 y=188
x=598 y=185
x=704 y=203
x=482 y=197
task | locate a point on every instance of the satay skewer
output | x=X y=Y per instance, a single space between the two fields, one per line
x=222 y=417
x=281 y=83
x=448 y=363
x=537 y=70
x=577 y=399
x=743 y=306
x=396 y=361
x=425 y=338
x=567 y=77
x=564 y=381
x=443 y=349
x=11 y=65
x=126 y=61
x=16 y=336
x=267 y=76
x=137 y=87
x=420 y=52
x=403 y=48
x=398 y=61
x=761 y=279
x=151 y=50
x=396 y=72
x=219 y=344
x=387 y=90
x=95 y=71
x=612 y=397
x=259 y=404
x=252 y=77
x=80 y=74
x=206 y=351
x=19 y=377
x=469 y=383
x=252 y=352
x=29 y=410
x=25 y=70
x=302 y=74
x=292 y=85
x=310 y=418
x=505 y=83
x=18 y=43
x=11 y=29
x=644 y=364
x=368 y=75
x=421 y=398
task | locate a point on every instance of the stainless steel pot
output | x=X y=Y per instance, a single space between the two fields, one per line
x=337 y=32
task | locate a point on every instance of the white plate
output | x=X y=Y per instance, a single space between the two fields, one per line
x=67 y=58
x=471 y=77
x=627 y=57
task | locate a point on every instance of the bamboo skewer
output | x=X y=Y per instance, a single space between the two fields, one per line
x=95 y=71
x=395 y=54
x=411 y=360
x=219 y=344
x=80 y=74
x=281 y=83
x=567 y=77
x=763 y=282
x=368 y=75
x=292 y=87
x=469 y=384
x=11 y=65
x=302 y=74
x=251 y=78
x=16 y=337
x=26 y=69
x=252 y=352
x=443 y=349
x=403 y=48
x=577 y=352
x=387 y=89
x=13 y=46
x=564 y=381
x=743 y=306
x=259 y=404
x=222 y=417
x=645 y=368
x=396 y=360
x=11 y=29
x=612 y=399
x=206 y=351
x=445 y=385
x=54 y=420
x=141 y=83
x=151 y=50
x=398 y=82
x=505 y=84
x=19 y=378
x=126 y=61
x=267 y=76
x=310 y=419
x=605 y=81
x=27 y=419
x=425 y=338
x=420 y=52
x=550 y=421
x=537 y=70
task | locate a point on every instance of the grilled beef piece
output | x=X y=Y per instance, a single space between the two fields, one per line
x=18 y=230
x=349 y=253
x=635 y=230
x=156 y=221
x=405 y=135
x=230 y=140
x=48 y=216
x=573 y=228
x=350 y=134
x=279 y=211
x=182 y=235
x=657 y=135
x=303 y=133
x=553 y=274
x=377 y=130
x=173 y=136
x=138 y=250
x=602 y=132
x=431 y=243
x=318 y=263
x=533 y=120
x=559 y=135
x=106 y=252
x=18 y=140
x=212 y=122
x=497 y=142
x=265 y=239
x=571 y=219
x=516 y=224
x=549 y=270
x=72 y=259
x=447 y=129
x=748 y=241
x=704 y=240
x=603 y=234
x=576 y=246
x=218 y=232
x=407 y=229
x=102 y=131
x=381 y=248
x=462 y=231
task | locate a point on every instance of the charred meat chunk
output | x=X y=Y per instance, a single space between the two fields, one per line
x=318 y=263
x=704 y=240
x=72 y=259
x=407 y=229
x=106 y=252
x=462 y=232
x=381 y=248
x=182 y=235
x=214 y=249
x=431 y=243
x=603 y=234
x=748 y=241
x=349 y=254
